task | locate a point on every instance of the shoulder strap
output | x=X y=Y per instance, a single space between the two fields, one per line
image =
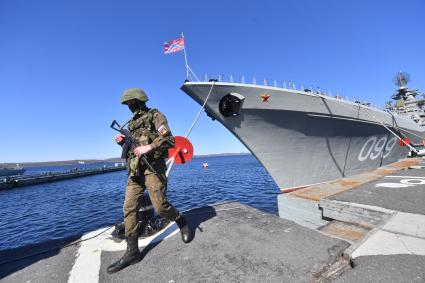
x=151 y=112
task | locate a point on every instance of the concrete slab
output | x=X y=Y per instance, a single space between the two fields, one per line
x=395 y=268
x=387 y=243
x=237 y=245
x=404 y=163
x=403 y=233
x=320 y=191
x=402 y=191
x=328 y=189
x=346 y=231
x=49 y=267
x=406 y=224
x=302 y=211
x=360 y=214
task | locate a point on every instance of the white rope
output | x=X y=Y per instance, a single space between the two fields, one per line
x=170 y=161
x=200 y=111
x=190 y=69
x=411 y=147
x=404 y=130
x=377 y=120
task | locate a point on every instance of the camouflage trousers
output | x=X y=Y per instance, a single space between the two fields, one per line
x=136 y=186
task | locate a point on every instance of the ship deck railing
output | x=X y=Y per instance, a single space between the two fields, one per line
x=291 y=86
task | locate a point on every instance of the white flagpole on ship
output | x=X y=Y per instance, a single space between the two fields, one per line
x=188 y=69
x=185 y=58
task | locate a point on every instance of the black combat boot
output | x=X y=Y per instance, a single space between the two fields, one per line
x=131 y=256
x=184 y=229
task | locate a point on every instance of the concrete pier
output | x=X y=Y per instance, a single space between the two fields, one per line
x=28 y=180
x=233 y=243
x=380 y=213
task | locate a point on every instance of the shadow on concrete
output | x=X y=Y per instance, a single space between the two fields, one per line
x=195 y=218
x=16 y=259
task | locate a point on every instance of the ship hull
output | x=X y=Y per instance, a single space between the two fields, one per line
x=304 y=139
x=11 y=172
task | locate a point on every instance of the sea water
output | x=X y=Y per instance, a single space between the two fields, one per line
x=52 y=211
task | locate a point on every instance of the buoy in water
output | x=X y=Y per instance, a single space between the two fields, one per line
x=205 y=165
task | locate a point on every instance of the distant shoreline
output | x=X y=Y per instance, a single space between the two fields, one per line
x=222 y=154
x=89 y=161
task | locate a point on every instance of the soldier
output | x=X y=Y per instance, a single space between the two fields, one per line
x=150 y=129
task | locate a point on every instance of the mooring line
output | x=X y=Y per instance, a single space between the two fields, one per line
x=376 y=119
x=171 y=160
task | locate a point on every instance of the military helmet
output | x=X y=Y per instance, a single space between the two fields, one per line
x=134 y=93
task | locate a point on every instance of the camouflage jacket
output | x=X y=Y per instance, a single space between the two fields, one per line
x=149 y=127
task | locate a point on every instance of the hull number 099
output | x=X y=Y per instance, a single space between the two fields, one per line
x=374 y=148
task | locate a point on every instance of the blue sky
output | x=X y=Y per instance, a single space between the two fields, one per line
x=64 y=64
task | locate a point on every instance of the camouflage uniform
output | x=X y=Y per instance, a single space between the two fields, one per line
x=148 y=127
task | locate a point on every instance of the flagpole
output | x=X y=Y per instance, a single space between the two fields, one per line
x=185 y=59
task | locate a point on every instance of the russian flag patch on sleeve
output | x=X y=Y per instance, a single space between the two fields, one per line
x=162 y=130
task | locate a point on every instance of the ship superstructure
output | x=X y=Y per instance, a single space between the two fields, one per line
x=406 y=103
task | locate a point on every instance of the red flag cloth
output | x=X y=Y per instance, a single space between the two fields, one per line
x=174 y=45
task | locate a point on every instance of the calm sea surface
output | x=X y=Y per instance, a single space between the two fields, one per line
x=52 y=211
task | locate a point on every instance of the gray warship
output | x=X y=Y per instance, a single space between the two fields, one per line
x=4 y=172
x=304 y=136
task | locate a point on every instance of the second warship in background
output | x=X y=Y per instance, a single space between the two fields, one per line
x=11 y=171
x=305 y=137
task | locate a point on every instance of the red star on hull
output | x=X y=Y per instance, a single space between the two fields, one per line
x=265 y=97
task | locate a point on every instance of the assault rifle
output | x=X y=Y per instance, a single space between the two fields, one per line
x=130 y=144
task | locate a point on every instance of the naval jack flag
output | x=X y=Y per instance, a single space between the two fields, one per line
x=173 y=46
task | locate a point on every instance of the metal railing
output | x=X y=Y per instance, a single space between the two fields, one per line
x=284 y=84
